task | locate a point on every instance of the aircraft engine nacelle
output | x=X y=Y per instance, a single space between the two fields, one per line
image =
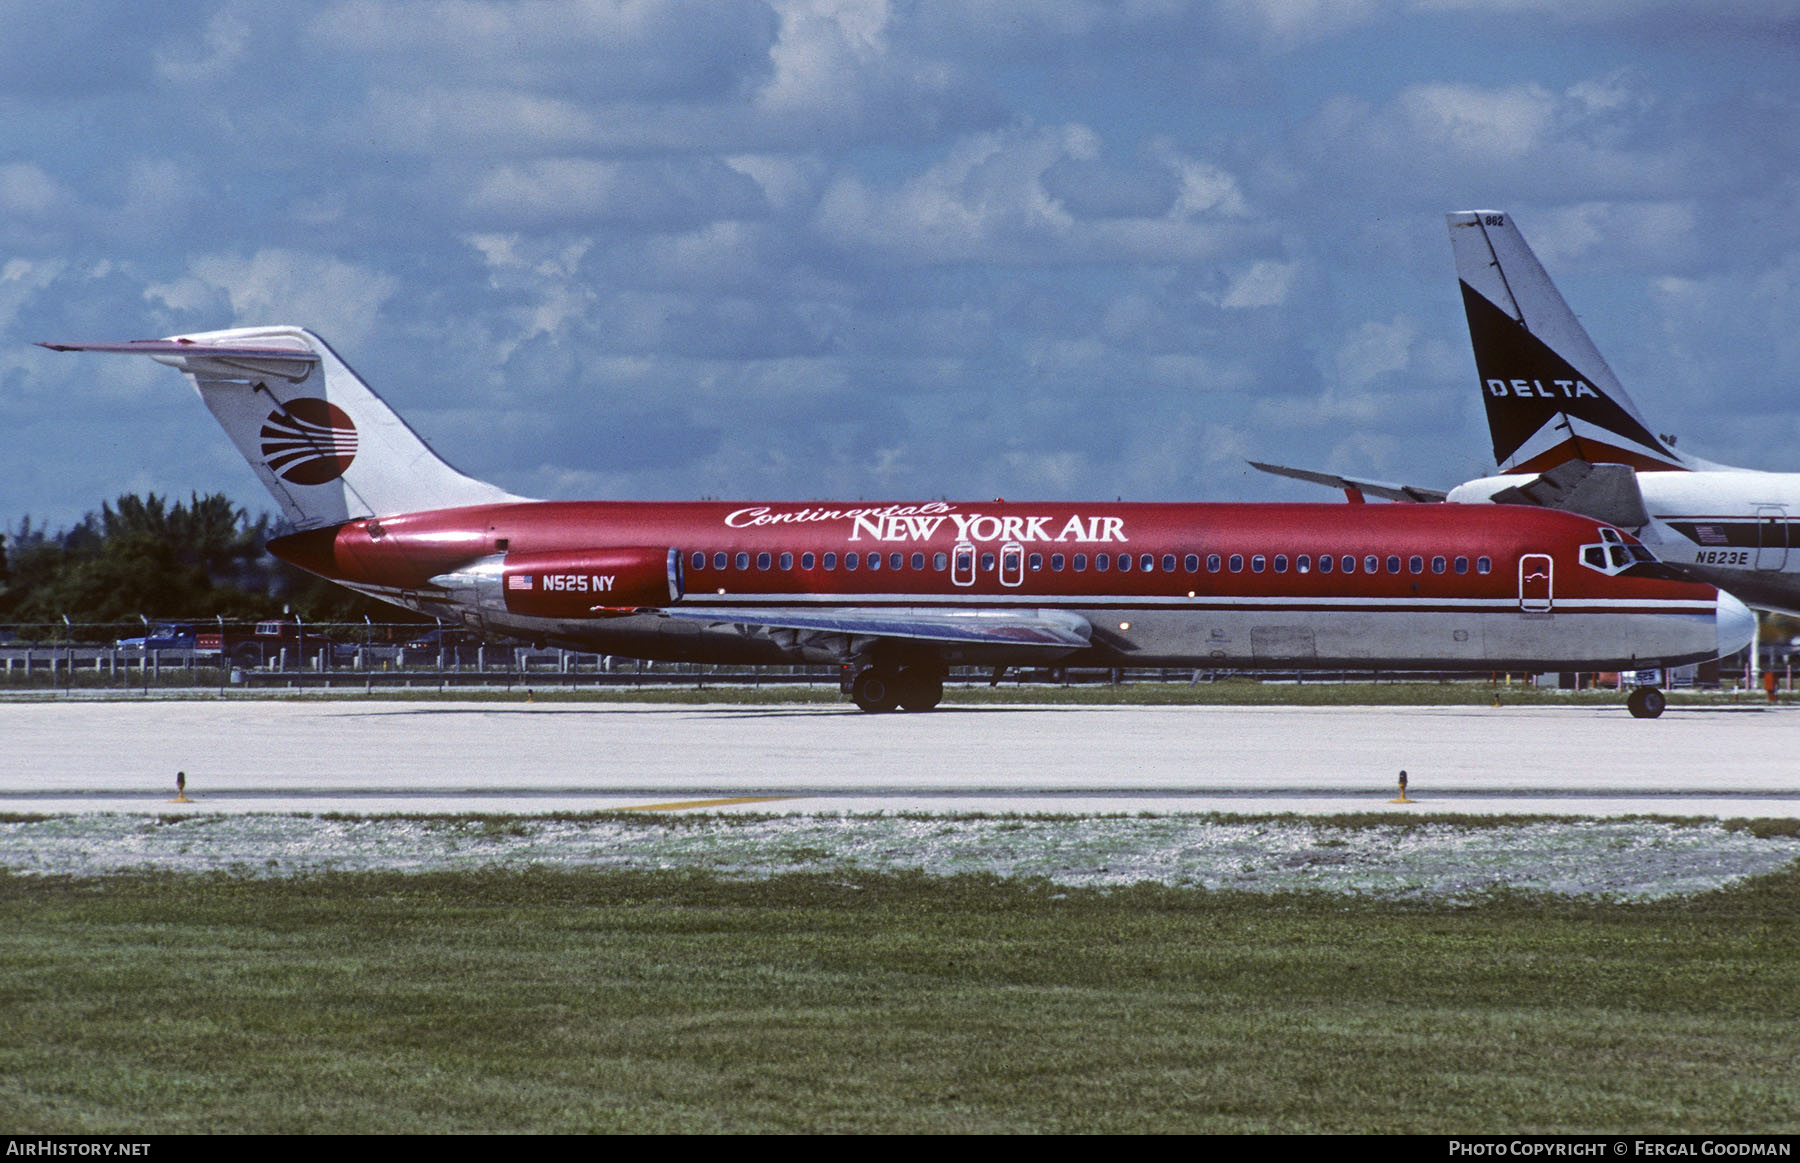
x=590 y=583
x=568 y=583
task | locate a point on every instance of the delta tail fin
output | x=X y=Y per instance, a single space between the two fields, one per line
x=322 y=442
x=1551 y=398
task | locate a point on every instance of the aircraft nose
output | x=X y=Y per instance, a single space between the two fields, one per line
x=1735 y=624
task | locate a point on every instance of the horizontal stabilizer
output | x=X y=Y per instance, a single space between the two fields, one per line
x=1605 y=492
x=1383 y=489
x=211 y=361
x=187 y=348
x=1046 y=628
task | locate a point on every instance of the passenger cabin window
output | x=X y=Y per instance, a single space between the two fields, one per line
x=1081 y=563
x=1147 y=564
x=1324 y=563
x=743 y=561
x=1393 y=563
x=1303 y=564
x=1484 y=565
x=762 y=561
x=1237 y=563
x=849 y=561
x=1372 y=564
x=1057 y=561
x=830 y=561
x=807 y=561
x=719 y=561
x=787 y=561
x=940 y=562
x=1102 y=561
x=918 y=561
x=1462 y=565
x=1439 y=565
x=1258 y=563
x=874 y=561
x=1281 y=563
x=1192 y=563
x=1415 y=564
x=698 y=561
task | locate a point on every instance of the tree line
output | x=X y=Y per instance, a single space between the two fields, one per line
x=146 y=555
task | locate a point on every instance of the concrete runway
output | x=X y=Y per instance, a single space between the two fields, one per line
x=439 y=757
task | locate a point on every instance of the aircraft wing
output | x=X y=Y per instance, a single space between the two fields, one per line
x=1605 y=492
x=1382 y=489
x=1051 y=629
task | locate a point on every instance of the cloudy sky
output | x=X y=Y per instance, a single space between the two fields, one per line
x=864 y=249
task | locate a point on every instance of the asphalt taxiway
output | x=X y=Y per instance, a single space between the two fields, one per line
x=366 y=757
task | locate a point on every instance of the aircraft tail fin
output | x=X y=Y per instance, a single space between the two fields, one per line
x=1550 y=395
x=322 y=442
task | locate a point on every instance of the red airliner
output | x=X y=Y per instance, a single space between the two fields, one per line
x=898 y=592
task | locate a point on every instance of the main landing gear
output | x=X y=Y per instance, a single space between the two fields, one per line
x=1646 y=702
x=910 y=688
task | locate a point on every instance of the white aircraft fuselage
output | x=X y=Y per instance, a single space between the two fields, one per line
x=1555 y=407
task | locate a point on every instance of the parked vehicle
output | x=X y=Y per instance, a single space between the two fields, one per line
x=162 y=636
x=265 y=642
x=453 y=643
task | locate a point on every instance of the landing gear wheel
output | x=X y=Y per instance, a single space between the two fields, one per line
x=1646 y=702
x=920 y=690
x=876 y=691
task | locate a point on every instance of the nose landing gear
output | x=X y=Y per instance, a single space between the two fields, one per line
x=1646 y=702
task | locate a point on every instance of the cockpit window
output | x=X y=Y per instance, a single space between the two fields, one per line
x=1611 y=555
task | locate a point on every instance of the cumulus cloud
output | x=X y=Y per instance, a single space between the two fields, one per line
x=25 y=189
x=1284 y=24
x=992 y=198
x=938 y=245
x=1609 y=236
x=1262 y=284
x=611 y=49
x=1610 y=133
x=222 y=47
x=1472 y=125
x=659 y=194
x=340 y=300
x=1664 y=21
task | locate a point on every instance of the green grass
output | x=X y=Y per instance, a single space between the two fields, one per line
x=667 y=1002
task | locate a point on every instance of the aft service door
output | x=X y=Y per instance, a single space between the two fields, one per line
x=1771 y=537
x=1535 y=583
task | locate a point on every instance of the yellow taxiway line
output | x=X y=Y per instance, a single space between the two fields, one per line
x=678 y=806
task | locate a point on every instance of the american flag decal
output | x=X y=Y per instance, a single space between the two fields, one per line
x=1710 y=535
x=519 y=581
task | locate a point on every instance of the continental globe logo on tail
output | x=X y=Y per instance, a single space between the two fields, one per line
x=309 y=441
